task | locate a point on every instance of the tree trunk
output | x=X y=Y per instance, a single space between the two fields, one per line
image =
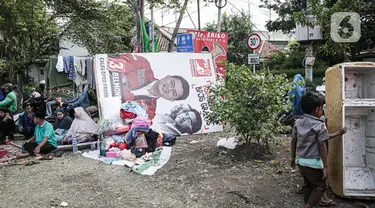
x=182 y=12
x=20 y=82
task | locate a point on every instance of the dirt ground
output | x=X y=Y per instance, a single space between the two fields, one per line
x=199 y=174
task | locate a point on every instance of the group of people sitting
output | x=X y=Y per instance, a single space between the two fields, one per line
x=86 y=100
x=43 y=137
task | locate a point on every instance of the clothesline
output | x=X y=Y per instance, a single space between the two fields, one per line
x=65 y=75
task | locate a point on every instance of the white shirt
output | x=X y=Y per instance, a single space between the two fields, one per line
x=144 y=91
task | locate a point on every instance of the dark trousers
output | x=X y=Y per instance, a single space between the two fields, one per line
x=27 y=135
x=46 y=148
x=314 y=185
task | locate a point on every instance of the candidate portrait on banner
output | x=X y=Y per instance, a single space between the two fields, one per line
x=182 y=119
x=172 y=88
x=137 y=82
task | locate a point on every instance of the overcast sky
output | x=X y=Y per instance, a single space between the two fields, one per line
x=209 y=13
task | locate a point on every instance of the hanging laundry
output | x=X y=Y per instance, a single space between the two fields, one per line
x=66 y=64
x=80 y=64
x=72 y=74
x=134 y=107
x=53 y=78
x=90 y=73
x=78 y=73
x=60 y=64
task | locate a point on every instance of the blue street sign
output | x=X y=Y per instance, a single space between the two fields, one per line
x=185 y=43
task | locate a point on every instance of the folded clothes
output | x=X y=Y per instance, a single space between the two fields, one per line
x=139 y=121
x=134 y=107
x=126 y=114
x=133 y=134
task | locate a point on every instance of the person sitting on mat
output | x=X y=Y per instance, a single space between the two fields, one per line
x=44 y=140
x=82 y=128
x=26 y=124
x=7 y=125
x=62 y=125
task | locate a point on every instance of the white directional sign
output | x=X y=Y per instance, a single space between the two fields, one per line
x=253 y=58
x=254 y=41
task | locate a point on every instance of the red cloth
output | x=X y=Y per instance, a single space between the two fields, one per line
x=120 y=146
x=138 y=73
x=127 y=115
x=3 y=153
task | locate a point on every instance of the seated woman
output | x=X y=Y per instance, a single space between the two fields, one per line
x=83 y=128
x=7 y=125
x=62 y=125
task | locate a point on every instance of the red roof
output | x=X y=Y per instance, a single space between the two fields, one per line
x=266 y=49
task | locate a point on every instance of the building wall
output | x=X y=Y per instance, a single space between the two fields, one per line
x=69 y=48
x=36 y=73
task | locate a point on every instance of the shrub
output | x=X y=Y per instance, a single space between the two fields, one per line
x=250 y=104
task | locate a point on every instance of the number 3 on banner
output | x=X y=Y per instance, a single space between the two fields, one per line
x=116 y=65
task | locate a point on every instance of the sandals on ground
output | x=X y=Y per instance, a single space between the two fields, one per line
x=328 y=203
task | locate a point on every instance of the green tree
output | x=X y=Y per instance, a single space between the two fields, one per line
x=238 y=28
x=292 y=12
x=29 y=30
x=101 y=26
x=287 y=59
x=249 y=103
x=27 y=33
x=284 y=9
x=323 y=10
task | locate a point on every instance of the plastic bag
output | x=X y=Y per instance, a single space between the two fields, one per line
x=141 y=142
x=127 y=155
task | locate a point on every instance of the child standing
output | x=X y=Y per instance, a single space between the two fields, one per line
x=309 y=149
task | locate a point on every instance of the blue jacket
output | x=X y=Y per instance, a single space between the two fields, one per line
x=82 y=101
x=2 y=95
x=26 y=122
x=296 y=93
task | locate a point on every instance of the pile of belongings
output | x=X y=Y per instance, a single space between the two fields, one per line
x=133 y=138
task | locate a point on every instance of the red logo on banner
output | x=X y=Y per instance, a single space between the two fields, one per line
x=200 y=68
x=216 y=44
x=117 y=65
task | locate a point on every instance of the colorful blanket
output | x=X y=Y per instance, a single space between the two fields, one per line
x=158 y=159
x=8 y=152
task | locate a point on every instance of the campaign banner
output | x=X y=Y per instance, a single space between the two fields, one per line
x=215 y=43
x=171 y=87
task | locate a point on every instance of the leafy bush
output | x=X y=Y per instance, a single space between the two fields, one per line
x=287 y=59
x=26 y=89
x=318 y=73
x=250 y=104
